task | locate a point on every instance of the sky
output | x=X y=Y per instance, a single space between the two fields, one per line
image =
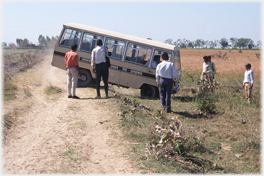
x=158 y=20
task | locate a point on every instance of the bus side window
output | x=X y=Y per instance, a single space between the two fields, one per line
x=138 y=54
x=69 y=37
x=89 y=42
x=115 y=48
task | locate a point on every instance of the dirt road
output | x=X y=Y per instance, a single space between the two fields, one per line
x=61 y=135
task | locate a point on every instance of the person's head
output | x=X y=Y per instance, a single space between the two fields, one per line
x=165 y=56
x=157 y=58
x=73 y=47
x=99 y=42
x=209 y=58
x=248 y=66
x=205 y=58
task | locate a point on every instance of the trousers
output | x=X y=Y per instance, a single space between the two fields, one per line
x=165 y=88
x=101 y=70
x=248 y=92
x=72 y=80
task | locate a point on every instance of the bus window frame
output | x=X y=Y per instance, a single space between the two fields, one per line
x=84 y=32
x=142 y=45
x=162 y=50
x=63 y=34
x=114 y=38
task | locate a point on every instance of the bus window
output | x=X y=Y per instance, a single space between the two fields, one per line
x=177 y=59
x=159 y=52
x=70 y=37
x=115 y=48
x=89 y=42
x=138 y=54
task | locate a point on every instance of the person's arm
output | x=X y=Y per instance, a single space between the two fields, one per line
x=174 y=73
x=251 y=79
x=77 y=64
x=157 y=76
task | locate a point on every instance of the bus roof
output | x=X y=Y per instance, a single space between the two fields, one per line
x=121 y=36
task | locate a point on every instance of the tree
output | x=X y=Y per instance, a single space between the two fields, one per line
x=169 y=41
x=19 y=42
x=11 y=44
x=224 y=43
x=42 y=40
x=4 y=44
x=233 y=40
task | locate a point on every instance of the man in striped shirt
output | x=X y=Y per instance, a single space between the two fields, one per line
x=248 y=82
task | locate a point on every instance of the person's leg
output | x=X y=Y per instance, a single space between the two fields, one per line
x=98 y=75
x=162 y=92
x=247 y=91
x=105 y=78
x=168 y=94
x=74 y=80
x=250 y=95
x=69 y=82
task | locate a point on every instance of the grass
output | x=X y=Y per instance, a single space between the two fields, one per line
x=224 y=144
x=10 y=90
x=50 y=90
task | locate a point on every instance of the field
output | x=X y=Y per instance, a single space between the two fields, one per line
x=46 y=133
x=223 y=144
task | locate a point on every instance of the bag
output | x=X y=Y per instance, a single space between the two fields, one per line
x=107 y=58
x=107 y=61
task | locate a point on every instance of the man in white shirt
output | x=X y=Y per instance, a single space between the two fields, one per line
x=205 y=73
x=166 y=75
x=248 y=82
x=100 y=68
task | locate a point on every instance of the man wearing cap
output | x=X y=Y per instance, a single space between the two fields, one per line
x=248 y=82
x=166 y=75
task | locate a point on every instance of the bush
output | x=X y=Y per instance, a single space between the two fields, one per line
x=206 y=102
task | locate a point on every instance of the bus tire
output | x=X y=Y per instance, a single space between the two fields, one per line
x=148 y=92
x=88 y=78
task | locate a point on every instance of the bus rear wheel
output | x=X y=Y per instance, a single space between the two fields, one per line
x=87 y=78
x=148 y=92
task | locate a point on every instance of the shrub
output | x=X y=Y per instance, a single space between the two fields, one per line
x=206 y=102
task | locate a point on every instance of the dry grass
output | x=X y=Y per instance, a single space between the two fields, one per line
x=192 y=60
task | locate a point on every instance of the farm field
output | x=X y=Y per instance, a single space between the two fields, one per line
x=46 y=133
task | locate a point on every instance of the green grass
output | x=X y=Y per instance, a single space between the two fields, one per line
x=52 y=90
x=10 y=90
x=221 y=135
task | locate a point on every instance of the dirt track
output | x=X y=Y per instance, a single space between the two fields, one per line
x=61 y=135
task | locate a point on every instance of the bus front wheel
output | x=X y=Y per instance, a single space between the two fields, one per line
x=148 y=92
x=87 y=78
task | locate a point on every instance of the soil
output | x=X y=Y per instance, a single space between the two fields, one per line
x=55 y=134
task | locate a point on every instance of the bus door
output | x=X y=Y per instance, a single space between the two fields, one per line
x=115 y=49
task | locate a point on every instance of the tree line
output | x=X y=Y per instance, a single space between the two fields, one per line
x=42 y=40
x=233 y=43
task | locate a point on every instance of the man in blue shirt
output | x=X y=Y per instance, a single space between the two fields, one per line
x=248 y=82
x=166 y=75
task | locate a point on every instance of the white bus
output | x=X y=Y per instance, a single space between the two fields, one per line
x=131 y=57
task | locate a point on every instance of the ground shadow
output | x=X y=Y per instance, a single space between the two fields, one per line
x=184 y=98
x=195 y=116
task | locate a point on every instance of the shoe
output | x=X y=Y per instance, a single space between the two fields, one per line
x=69 y=96
x=75 y=97
x=106 y=96
x=98 y=97
x=168 y=111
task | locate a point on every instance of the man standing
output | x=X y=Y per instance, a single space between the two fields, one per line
x=248 y=82
x=211 y=72
x=73 y=71
x=100 y=67
x=205 y=76
x=165 y=76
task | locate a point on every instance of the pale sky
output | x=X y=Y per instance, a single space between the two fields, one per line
x=158 y=20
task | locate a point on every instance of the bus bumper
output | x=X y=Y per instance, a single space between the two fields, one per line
x=176 y=89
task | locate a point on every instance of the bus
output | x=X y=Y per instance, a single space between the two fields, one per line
x=131 y=57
